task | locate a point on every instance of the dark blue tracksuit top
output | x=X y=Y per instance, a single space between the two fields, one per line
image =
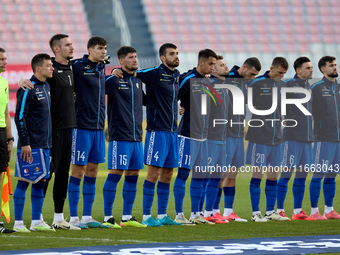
x=193 y=124
x=262 y=100
x=124 y=107
x=161 y=97
x=236 y=130
x=89 y=78
x=304 y=131
x=326 y=107
x=33 y=116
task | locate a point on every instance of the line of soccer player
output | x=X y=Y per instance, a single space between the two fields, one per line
x=76 y=93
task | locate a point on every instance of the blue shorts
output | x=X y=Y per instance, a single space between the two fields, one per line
x=235 y=151
x=264 y=155
x=192 y=153
x=46 y=153
x=161 y=149
x=88 y=145
x=124 y=155
x=327 y=157
x=217 y=153
x=297 y=154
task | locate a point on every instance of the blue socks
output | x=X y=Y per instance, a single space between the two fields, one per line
x=314 y=189
x=229 y=195
x=37 y=199
x=73 y=195
x=298 y=189
x=89 y=192
x=148 y=194
x=179 y=188
x=211 y=193
x=109 y=192
x=271 y=194
x=129 y=193
x=218 y=199
x=19 y=199
x=196 y=193
x=282 y=187
x=329 y=190
x=255 y=193
x=204 y=184
x=163 y=190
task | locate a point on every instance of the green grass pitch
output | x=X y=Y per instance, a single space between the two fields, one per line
x=128 y=235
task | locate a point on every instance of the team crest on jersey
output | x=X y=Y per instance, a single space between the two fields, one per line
x=87 y=67
x=37 y=89
x=137 y=85
x=265 y=85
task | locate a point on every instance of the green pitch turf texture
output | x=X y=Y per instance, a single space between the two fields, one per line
x=129 y=235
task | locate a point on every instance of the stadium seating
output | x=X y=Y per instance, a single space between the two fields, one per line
x=244 y=26
x=27 y=25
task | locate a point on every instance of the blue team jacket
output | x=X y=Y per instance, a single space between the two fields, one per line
x=218 y=111
x=236 y=130
x=124 y=107
x=326 y=107
x=162 y=86
x=304 y=131
x=262 y=100
x=33 y=116
x=193 y=124
x=89 y=79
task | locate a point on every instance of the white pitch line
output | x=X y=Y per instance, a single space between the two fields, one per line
x=82 y=239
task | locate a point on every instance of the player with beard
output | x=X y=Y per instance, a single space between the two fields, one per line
x=161 y=141
x=326 y=108
x=125 y=155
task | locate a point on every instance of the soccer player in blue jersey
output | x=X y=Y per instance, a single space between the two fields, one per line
x=34 y=125
x=265 y=139
x=125 y=155
x=240 y=77
x=88 y=141
x=298 y=145
x=193 y=132
x=216 y=142
x=326 y=108
x=161 y=141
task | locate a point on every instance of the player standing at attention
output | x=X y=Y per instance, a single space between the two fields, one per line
x=298 y=145
x=161 y=141
x=265 y=142
x=6 y=138
x=326 y=108
x=63 y=120
x=88 y=140
x=193 y=133
x=240 y=77
x=125 y=117
x=34 y=125
x=216 y=141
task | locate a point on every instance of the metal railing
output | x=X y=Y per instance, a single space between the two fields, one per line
x=120 y=19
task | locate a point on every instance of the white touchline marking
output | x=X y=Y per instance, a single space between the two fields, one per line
x=91 y=239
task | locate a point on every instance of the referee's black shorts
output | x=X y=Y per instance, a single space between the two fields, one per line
x=3 y=150
x=61 y=150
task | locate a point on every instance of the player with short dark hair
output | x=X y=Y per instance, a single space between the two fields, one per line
x=33 y=106
x=88 y=139
x=298 y=145
x=240 y=77
x=125 y=153
x=193 y=133
x=326 y=107
x=265 y=139
x=6 y=138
